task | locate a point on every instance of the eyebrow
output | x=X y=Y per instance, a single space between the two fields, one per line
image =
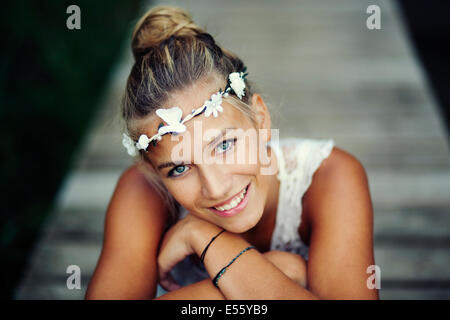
x=213 y=141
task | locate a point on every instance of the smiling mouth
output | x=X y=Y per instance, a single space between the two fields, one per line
x=234 y=205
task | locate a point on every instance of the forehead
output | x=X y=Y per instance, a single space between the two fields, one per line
x=187 y=100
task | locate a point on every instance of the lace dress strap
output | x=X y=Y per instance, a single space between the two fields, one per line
x=298 y=159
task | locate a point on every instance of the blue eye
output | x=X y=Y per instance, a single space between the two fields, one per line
x=177 y=171
x=226 y=145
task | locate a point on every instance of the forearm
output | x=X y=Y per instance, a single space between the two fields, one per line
x=202 y=290
x=251 y=276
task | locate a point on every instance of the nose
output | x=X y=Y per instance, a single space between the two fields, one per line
x=215 y=181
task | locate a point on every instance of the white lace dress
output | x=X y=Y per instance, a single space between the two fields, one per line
x=298 y=159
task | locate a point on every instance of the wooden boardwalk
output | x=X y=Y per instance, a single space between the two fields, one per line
x=324 y=75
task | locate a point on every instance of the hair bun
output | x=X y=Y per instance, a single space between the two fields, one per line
x=161 y=23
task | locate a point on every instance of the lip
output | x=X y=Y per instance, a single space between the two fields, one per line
x=235 y=210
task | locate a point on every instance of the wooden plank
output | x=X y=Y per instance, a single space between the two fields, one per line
x=92 y=190
x=414 y=294
x=57 y=291
x=427 y=187
x=392 y=226
x=368 y=100
x=401 y=269
x=88 y=190
x=50 y=291
x=52 y=260
x=82 y=222
x=403 y=263
x=389 y=152
x=413 y=263
x=381 y=125
x=412 y=227
x=397 y=123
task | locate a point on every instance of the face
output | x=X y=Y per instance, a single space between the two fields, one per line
x=213 y=168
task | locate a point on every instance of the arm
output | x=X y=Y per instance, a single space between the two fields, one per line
x=134 y=224
x=252 y=276
x=291 y=265
x=341 y=242
x=339 y=200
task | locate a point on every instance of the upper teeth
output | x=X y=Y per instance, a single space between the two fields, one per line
x=234 y=202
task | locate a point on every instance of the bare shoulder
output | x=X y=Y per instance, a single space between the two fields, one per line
x=340 y=218
x=132 y=177
x=134 y=197
x=338 y=159
x=132 y=184
x=134 y=224
x=342 y=175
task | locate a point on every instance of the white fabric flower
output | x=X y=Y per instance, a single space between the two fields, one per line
x=143 y=142
x=237 y=83
x=172 y=117
x=214 y=105
x=128 y=143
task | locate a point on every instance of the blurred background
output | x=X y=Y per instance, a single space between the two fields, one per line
x=382 y=95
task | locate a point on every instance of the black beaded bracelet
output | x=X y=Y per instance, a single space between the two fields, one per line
x=222 y=271
x=202 y=256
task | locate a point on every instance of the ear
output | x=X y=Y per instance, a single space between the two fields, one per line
x=262 y=114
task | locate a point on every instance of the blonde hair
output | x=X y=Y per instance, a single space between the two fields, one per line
x=171 y=52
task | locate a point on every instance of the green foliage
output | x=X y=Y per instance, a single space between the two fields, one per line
x=51 y=79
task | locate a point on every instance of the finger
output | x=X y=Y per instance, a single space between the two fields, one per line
x=170 y=255
x=164 y=268
x=169 y=283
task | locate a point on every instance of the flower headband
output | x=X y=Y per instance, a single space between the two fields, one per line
x=172 y=116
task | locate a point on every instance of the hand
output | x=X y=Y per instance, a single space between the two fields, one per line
x=292 y=265
x=176 y=245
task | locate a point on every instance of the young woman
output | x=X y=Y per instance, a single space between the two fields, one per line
x=297 y=226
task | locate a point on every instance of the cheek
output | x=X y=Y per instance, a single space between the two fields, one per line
x=184 y=192
x=248 y=156
x=248 y=169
